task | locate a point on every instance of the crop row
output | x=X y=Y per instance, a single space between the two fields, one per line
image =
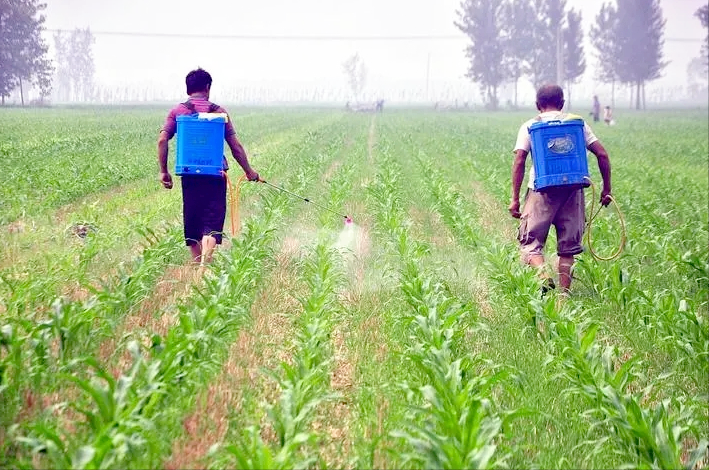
x=643 y=429
x=123 y=417
x=453 y=420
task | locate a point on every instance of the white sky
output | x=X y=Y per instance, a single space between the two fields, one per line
x=278 y=63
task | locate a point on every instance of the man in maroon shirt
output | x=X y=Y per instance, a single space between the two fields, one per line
x=203 y=196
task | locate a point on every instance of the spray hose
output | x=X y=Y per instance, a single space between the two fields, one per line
x=234 y=192
x=589 y=224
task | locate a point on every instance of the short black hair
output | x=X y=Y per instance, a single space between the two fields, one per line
x=198 y=80
x=549 y=96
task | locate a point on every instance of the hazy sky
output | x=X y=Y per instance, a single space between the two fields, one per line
x=155 y=60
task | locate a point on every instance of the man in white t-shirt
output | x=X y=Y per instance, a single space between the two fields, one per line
x=561 y=206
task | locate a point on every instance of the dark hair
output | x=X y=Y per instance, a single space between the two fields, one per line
x=550 y=96
x=198 y=80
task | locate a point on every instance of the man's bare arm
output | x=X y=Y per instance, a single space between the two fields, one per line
x=237 y=150
x=518 y=172
x=165 y=177
x=517 y=178
x=162 y=151
x=604 y=166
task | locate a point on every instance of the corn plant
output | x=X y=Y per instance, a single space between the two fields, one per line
x=178 y=365
x=113 y=418
x=44 y=345
x=304 y=385
x=449 y=202
x=653 y=435
x=683 y=330
x=458 y=425
x=452 y=420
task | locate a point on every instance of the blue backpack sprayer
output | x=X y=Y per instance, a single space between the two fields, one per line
x=560 y=159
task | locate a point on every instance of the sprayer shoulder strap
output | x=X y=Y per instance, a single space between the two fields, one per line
x=561 y=117
x=190 y=105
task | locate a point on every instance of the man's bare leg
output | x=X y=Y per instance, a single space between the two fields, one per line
x=565 y=265
x=209 y=243
x=537 y=262
x=196 y=252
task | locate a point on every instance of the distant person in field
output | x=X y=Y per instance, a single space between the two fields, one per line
x=203 y=196
x=560 y=206
x=596 y=109
x=608 y=116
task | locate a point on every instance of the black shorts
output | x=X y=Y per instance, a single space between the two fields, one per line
x=203 y=207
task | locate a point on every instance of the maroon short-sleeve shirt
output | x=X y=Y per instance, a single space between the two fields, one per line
x=201 y=105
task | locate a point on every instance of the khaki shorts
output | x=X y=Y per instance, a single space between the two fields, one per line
x=562 y=207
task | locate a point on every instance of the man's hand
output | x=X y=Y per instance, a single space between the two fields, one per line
x=166 y=180
x=605 y=197
x=251 y=175
x=514 y=209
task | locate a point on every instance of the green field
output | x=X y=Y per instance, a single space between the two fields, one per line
x=413 y=338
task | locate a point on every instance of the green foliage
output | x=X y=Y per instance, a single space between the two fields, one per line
x=303 y=385
x=574 y=58
x=452 y=421
x=702 y=14
x=517 y=36
x=602 y=37
x=75 y=65
x=615 y=374
x=629 y=39
x=548 y=25
x=481 y=21
x=22 y=48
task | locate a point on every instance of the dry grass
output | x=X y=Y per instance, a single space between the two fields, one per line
x=493 y=216
x=51 y=231
x=342 y=376
x=208 y=423
x=153 y=314
x=335 y=422
x=261 y=346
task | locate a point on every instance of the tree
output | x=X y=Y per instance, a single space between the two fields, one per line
x=703 y=14
x=697 y=76
x=546 y=58
x=481 y=21
x=62 y=85
x=75 y=65
x=22 y=49
x=638 y=37
x=356 y=74
x=517 y=39
x=602 y=37
x=574 y=60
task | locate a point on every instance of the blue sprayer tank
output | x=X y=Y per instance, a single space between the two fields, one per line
x=559 y=153
x=200 y=144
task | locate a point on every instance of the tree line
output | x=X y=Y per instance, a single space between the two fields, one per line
x=510 y=40
x=24 y=58
x=542 y=41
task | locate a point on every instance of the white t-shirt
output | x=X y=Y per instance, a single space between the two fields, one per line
x=524 y=142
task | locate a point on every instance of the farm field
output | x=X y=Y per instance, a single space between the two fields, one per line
x=412 y=338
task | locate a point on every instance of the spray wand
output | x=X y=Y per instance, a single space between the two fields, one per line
x=348 y=219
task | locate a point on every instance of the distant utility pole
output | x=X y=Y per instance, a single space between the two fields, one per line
x=428 y=73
